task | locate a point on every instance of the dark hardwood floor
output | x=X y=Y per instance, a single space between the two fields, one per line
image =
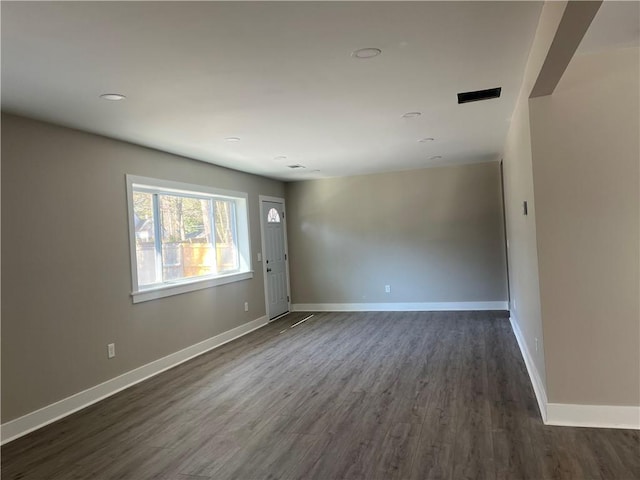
x=342 y=396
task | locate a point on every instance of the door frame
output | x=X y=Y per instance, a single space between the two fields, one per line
x=267 y=198
x=504 y=225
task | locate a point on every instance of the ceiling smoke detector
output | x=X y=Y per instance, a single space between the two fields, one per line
x=411 y=114
x=425 y=140
x=232 y=139
x=297 y=165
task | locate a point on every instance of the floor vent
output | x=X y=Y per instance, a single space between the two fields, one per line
x=478 y=95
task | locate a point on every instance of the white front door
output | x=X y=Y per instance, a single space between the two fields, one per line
x=275 y=258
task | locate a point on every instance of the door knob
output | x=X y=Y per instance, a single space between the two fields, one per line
x=268 y=270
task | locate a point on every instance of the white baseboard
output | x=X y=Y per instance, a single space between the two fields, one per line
x=398 y=307
x=599 y=416
x=39 y=418
x=596 y=416
x=534 y=375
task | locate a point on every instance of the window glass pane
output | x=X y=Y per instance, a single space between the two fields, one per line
x=226 y=241
x=145 y=237
x=186 y=236
x=273 y=216
x=187 y=246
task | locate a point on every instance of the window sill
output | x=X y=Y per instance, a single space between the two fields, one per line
x=177 y=288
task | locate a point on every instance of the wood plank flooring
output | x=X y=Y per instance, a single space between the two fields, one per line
x=412 y=395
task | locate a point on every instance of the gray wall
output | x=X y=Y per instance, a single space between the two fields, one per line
x=434 y=235
x=66 y=265
x=586 y=169
x=518 y=187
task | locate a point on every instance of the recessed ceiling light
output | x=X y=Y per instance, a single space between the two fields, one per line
x=428 y=139
x=411 y=114
x=366 y=53
x=232 y=139
x=297 y=165
x=280 y=158
x=435 y=157
x=112 y=96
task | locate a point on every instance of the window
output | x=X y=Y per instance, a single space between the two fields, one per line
x=273 y=216
x=185 y=237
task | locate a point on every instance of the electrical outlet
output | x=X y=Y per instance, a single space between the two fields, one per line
x=111 y=350
x=246 y=306
x=387 y=288
x=259 y=256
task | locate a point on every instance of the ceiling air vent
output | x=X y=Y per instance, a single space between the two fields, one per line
x=297 y=165
x=478 y=95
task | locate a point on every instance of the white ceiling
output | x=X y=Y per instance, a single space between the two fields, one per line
x=278 y=75
x=616 y=25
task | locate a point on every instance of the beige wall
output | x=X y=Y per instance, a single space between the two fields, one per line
x=586 y=165
x=521 y=235
x=66 y=270
x=518 y=187
x=434 y=235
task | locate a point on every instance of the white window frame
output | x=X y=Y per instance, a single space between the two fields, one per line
x=176 y=287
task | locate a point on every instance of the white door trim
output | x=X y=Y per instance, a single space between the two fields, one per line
x=267 y=198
